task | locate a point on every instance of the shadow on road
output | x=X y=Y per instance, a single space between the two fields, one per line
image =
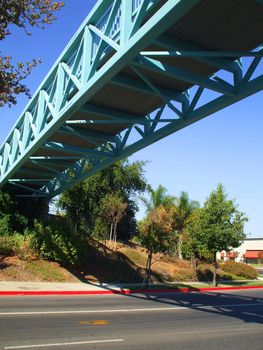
x=244 y=307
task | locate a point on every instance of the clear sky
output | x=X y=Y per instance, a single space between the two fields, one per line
x=226 y=147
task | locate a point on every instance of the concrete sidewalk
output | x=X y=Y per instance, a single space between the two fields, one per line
x=9 y=288
x=53 y=286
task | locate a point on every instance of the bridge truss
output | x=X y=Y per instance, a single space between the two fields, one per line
x=135 y=72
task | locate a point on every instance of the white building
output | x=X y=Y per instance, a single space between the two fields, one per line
x=250 y=251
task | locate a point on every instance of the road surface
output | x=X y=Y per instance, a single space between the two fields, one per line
x=181 y=321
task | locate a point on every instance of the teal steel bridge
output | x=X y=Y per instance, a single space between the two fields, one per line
x=135 y=72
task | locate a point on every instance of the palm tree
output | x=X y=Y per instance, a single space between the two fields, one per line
x=157 y=197
x=184 y=208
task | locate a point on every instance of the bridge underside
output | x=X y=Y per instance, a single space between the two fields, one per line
x=135 y=72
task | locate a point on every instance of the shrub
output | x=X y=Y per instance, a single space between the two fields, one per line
x=184 y=275
x=226 y=276
x=25 y=249
x=5 y=224
x=239 y=269
x=179 y=263
x=17 y=244
x=6 y=245
x=204 y=272
x=54 y=242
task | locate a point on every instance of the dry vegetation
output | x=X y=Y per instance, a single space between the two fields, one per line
x=104 y=265
x=14 y=269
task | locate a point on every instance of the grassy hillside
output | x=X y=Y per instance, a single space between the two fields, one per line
x=104 y=265
x=14 y=269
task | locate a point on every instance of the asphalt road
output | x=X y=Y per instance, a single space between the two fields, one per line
x=207 y=321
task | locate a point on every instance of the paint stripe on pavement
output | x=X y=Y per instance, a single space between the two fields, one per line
x=63 y=344
x=72 y=312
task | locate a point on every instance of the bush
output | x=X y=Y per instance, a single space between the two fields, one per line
x=5 y=224
x=51 y=241
x=54 y=242
x=179 y=263
x=239 y=269
x=19 y=245
x=226 y=276
x=184 y=275
x=6 y=245
x=204 y=272
x=11 y=220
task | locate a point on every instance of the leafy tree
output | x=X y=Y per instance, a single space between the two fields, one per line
x=156 y=234
x=192 y=247
x=218 y=226
x=184 y=208
x=157 y=197
x=114 y=208
x=83 y=203
x=11 y=220
x=23 y=14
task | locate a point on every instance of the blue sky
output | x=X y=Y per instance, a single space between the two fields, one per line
x=223 y=148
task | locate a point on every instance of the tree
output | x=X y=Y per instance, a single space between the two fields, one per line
x=192 y=246
x=157 y=197
x=83 y=203
x=156 y=234
x=218 y=226
x=114 y=208
x=11 y=218
x=260 y=257
x=23 y=14
x=184 y=208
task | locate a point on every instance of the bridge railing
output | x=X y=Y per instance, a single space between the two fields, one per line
x=89 y=62
x=73 y=69
x=115 y=29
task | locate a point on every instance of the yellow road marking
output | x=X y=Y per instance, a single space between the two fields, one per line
x=95 y=322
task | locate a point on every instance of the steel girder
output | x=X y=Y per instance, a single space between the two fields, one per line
x=95 y=55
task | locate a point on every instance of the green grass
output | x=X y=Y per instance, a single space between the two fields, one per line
x=44 y=271
x=135 y=256
x=193 y=286
x=242 y=283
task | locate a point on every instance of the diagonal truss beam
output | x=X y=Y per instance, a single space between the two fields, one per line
x=63 y=97
x=99 y=51
x=245 y=90
x=176 y=45
x=184 y=75
x=87 y=135
x=86 y=152
x=113 y=114
x=141 y=87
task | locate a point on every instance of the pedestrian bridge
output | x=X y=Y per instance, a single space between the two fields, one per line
x=135 y=72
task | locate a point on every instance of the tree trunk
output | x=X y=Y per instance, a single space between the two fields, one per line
x=215 y=271
x=76 y=226
x=148 y=268
x=114 y=234
x=180 y=255
x=193 y=262
x=111 y=227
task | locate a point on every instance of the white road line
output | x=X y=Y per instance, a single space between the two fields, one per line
x=72 y=312
x=63 y=344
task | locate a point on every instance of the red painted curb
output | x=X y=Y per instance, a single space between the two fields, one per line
x=123 y=292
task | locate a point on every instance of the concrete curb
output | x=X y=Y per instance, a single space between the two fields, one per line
x=123 y=291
